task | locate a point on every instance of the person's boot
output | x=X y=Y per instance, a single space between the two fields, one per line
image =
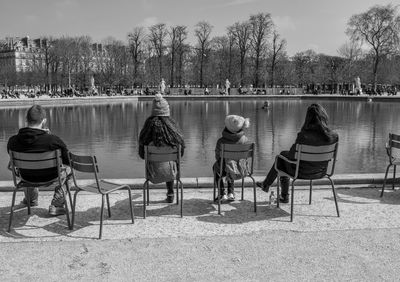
x=284 y=197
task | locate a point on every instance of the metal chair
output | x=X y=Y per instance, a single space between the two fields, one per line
x=162 y=154
x=88 y=164
x=236 y=152
x=36 y=161
x=393 y=151
x=325 y=153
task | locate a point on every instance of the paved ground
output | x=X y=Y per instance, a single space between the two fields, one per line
x=361 y=245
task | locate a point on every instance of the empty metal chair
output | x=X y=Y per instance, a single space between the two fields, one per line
x=162 y=154
x=393 y=151
x=36 y=161
x=237 y=152
x=88 y=164
x=325 y=153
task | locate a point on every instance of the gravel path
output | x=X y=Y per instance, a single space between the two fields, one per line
x=361 y=245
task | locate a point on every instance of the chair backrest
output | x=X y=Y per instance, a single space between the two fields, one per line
x=394 y=146
x=83 y=164
x=34 y=161
x=237 y=152
x=324 y=153
x=163 y=154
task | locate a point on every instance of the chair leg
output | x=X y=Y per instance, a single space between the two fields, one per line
x=148 y=194
x=384 y=180
x=214 y=195
x=73 y=210
x=108 y=205
x=278 y=179
x=28 y=200
x=144 y=198
x=12 y=210
x=394 y=176
x=291 y=203
x=255 y=194
x=177 y=192
x=309 y=202
x=130 y=204
x=69 y=193
x=334 y=196
x=181 y=198
x=101 y=216
x=67 y=214
x=219 y=197
x=242 y=189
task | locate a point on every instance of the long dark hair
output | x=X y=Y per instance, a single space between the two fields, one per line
x=317 y=120
x=162 y=131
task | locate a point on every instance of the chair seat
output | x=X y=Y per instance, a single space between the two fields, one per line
x=26 y=184
x=106 y=187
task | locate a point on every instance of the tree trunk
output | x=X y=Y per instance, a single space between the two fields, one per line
x=376 y=63
x=256 y=77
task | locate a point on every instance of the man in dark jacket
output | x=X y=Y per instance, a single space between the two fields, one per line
x=36 y=138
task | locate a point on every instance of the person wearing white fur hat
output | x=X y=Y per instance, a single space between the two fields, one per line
x=161 y=130
x=232 y=134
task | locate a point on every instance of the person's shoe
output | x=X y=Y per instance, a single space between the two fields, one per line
x=261 y=185
x=223 y=198
x=231 y=196
x=170 y=198
x=34 y=203
x=284 y=199
x=55 y=211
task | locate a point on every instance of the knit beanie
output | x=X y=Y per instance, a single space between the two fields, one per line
x=160 y=106
x=235 y=123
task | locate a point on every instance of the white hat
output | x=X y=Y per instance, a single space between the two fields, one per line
x=235 y=123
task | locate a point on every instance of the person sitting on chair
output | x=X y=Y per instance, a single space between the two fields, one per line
x=36 y=138
x=232 y=134
x=161 y=130
x=314 y=132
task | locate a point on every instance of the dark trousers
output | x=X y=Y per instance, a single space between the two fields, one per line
x=218 y=179
x=273 y=174
x=170 y=188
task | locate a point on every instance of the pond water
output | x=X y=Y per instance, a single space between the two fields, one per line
x=111 y=132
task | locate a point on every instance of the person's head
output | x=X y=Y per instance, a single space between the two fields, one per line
x=160 y=106
x=316 y=118
x=36 y=116
x=236 y=123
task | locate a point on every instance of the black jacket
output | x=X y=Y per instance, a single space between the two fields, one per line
x=32 y=140
x=314 y=138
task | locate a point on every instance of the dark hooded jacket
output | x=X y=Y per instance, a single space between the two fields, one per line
x=33 y=140
x=315 y=138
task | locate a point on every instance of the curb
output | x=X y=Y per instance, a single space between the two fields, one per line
x=207 y=182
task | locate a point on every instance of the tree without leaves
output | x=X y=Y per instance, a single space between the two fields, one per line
x=379 y=27
x=351 y=52
x=181 y=49
x=177 y=36
x=241 y=32
x=261 y=25
x=277 y=49
x=158 y=33
x=202 y=31
x=135 y=41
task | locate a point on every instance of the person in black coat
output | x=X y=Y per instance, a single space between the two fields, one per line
x=314 y=132
x=36 y=138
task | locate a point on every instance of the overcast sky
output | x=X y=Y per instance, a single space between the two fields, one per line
x=305 y=24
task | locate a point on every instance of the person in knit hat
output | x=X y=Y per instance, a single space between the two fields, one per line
x=161 y=130
x=232 y=134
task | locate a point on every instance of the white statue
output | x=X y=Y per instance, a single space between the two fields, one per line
x=358 y=85
x=162 y=86
x=227 y=87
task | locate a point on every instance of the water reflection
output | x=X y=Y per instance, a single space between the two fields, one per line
x=111 y=132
